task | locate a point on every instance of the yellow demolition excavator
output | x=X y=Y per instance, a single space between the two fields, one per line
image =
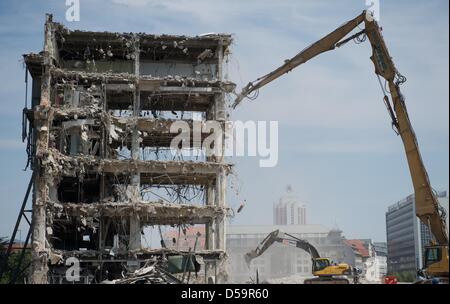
x=428 y=209
x=324 y=270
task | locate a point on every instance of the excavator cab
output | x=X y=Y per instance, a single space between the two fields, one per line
x=320 y=264
x=327 y=272
x=325 y=267
x=436 y=260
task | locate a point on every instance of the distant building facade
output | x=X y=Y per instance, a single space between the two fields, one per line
x=371 y=258
x=361 y=252
x=380 y=260
x=288 y=210
x=407 y=236
x=282 y=260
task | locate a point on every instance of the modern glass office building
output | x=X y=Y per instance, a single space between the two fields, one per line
x=407 y=236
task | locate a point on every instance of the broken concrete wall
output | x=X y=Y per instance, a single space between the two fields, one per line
x=99 y=137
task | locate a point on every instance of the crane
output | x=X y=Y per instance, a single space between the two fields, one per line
x=428 y=209
x=323 y=268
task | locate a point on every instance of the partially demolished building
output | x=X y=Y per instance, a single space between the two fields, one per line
x=99 y=146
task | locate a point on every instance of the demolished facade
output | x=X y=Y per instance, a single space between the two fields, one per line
x=99 y=145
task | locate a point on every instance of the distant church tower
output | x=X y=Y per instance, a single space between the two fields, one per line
x=288 y=210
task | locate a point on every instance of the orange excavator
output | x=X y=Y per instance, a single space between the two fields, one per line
x=428 y=209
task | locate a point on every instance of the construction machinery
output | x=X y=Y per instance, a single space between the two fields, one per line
x=428 y=209
x=324 y=270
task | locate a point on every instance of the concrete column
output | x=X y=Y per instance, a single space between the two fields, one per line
x=39 y=253
x=221 y=185
x=215 y=230
x=39 y=250
x=134 y=188
x=134 y=194
x=220 y=115
x=103 y=154
x=209 y=227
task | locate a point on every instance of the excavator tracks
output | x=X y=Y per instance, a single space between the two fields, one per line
x=327 y=280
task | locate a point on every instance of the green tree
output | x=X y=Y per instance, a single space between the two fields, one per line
x=405 y=276
x=12 y=263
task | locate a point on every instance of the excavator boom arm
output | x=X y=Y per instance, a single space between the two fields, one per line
x=325 y=44
x=427 y=205
x=280 y=237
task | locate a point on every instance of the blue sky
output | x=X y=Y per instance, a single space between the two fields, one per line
x=337 y=148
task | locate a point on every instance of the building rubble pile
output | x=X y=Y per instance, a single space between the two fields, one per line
x=149 y=274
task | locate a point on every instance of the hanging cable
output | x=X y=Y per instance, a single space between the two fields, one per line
x=26 y=132
x=399 y=79
x=360 y=38
x=163 y=243
x=381 y=85
x=254 y=96
x=24 y=115
x=387 y=103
